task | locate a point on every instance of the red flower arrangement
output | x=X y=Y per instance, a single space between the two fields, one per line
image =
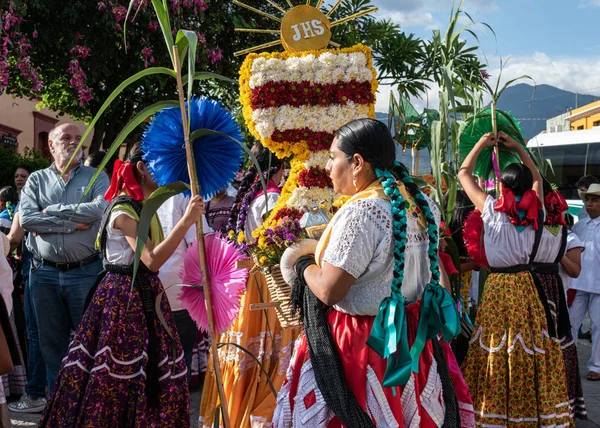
x=276 y=94
x=529 y=203
x=555 y=207
x=314 y=177
x=291 y=213
x=316 y=141
x=473 y=237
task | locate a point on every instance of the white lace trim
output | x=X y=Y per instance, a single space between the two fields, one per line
x=103 y=350
x=432 y=397
x=511 y=347
x=377 y=404
x=410 y=406
x=467 y=415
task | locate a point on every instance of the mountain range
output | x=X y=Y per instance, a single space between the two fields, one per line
x=532 y=106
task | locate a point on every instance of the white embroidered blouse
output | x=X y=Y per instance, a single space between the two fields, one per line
x=362 y=244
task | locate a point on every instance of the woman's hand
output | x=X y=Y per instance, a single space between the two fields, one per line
x=487 y=140
x=507 y=141
x=194 y=210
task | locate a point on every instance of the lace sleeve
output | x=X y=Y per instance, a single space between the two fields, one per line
x=362 y=229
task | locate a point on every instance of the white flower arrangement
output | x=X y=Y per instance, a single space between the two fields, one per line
x=317 y=118
x=317 y=159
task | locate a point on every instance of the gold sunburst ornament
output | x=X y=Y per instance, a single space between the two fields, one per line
x=302 y=28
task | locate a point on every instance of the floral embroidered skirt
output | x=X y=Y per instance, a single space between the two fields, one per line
x=250 y=399
x=102 y=381
x=419 y=403
x=568 y=346
x=515 y=372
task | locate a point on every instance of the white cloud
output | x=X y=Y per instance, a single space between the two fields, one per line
x=413 y=19
x=569 y=73
x=589 y=3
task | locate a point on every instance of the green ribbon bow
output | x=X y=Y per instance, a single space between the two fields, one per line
x=438 y=312
x=389 y=338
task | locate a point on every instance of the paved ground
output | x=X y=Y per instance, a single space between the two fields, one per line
x=591 y=390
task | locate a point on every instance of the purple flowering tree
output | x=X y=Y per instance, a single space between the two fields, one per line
x=71 y=61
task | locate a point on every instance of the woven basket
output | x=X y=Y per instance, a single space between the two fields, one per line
x=281 y=292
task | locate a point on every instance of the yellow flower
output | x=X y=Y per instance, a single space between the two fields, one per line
x=231 y=234
x=262 y=260
x=241 y=238
x=262 y=243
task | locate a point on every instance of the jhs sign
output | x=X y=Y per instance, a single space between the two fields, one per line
x=308 y=29
x=305 y=28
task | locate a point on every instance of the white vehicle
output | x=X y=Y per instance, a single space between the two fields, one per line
x=572 y=154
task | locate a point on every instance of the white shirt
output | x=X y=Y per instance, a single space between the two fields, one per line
x=588 y=231
x=505 y=246
x=362 y=244
x=573 y=241
x=6 y=278
x=256 y=211
x=169 y=214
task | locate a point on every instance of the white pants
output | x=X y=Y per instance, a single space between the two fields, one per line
x=587 y=302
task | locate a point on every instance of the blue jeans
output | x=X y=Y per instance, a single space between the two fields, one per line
x=187 y=330
x=36 y=367
x=59 y=299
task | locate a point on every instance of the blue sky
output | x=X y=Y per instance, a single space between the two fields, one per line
x=556 y=42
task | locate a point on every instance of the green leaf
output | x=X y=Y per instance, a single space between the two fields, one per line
x=451 y=183
x=199 y=133
x=162 y=13
x=151 y=205
x=182 y=46
x=114 y=94
x=205 y=75
x=137 y=120
x=192 y=39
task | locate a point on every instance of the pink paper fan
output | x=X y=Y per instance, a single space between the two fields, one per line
x=226 y=282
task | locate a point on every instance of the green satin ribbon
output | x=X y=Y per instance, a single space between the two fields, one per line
x=438 y=312
x=389 y=338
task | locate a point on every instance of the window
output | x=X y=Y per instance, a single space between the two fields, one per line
x=568 y=163
x=596 y=123
x=580 y=127
x=593 y=160
x=552 y=129
x=559 y=128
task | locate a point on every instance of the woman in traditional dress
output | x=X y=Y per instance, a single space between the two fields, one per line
x=251 y=401
x=514 y=369
x=125 y=366
x=378 y=252
x=556 y=242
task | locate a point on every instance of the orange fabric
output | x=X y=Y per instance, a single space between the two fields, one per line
x=249 y=396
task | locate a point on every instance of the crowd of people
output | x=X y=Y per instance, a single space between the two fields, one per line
x=381 y=343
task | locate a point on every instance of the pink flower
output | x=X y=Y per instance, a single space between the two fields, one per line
x=215 y=56
x=201 y=39
x=101 y=6
x=153 y=25
x=34 y=34
x=120 y=12
x=147 y=52
x=200 y=5
x=80 y=51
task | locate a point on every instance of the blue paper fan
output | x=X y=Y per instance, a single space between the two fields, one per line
x=217 y=158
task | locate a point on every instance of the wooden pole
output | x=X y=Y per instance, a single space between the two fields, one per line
x=416 y=172
x=201 y=249
x=496 y=149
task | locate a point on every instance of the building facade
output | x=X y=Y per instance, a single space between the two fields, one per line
x=586 y=117
x=23 y=126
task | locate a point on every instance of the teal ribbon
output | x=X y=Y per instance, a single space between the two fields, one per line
x=438 y=312
x=389 y=338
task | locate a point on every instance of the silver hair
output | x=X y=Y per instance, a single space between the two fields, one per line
x=56 y=131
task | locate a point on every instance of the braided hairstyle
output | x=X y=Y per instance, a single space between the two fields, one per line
x=251 y=184
x=10 y=197
x=372 y=140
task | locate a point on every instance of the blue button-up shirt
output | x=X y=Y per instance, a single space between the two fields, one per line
x=588 y=231
x=53 y=235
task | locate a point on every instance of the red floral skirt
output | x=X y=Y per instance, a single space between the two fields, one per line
x=418 y=404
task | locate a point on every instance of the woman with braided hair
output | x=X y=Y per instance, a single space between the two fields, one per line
x=514 y=366
x=250 y=397
x=367 y=291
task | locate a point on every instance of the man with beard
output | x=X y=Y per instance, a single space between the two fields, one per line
x=63 y=224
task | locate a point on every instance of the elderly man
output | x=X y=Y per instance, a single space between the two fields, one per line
x=63 y=224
